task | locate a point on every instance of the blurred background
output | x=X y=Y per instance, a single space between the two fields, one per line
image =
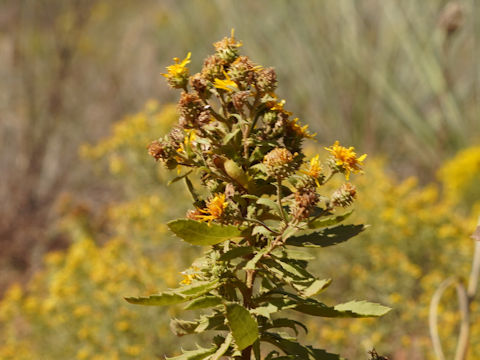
x=83 y=206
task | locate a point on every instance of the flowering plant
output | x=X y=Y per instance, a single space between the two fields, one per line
x=259 y=202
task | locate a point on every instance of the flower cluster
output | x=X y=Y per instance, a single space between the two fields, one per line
x=239 y=151
x=246 y=142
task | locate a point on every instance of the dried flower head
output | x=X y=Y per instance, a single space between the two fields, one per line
x=227 y=48
x=177 y=74
x=346 y=159
x=199 y=84
x=344 y=196
x=192 y=111
x=306 y=198
x=212 y=68
x=280 y=162
x=266 y=80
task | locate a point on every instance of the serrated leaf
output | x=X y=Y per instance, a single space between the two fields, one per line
x=272 y=204
x=230 y=136
x=299 y=351
x=175 y=296
x=352 y=309
x=292 y=254
x=285 y=322
x=182 y=327
x=199 y=354
x=326 y=237
x=243 y=325
x=321 y=223
x=236 y=252
x=363 y=308
x=316 y=287
x=203 y=302
x=200 y=233
x=223 y=348
x=253 y=262
x=163 y=299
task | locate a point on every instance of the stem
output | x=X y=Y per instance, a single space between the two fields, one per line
x=469 y=296
x=279 y=199
x=465 y=298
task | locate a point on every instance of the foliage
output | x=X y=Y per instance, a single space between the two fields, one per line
x=419 y=239
x=257 y=198
x=388 y=263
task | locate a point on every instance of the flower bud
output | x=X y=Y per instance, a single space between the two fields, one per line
x=266 y=80
x=344 y=196
x=192 y=112
x=280 y=163
x=306 y=198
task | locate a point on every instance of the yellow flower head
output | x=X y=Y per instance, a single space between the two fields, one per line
x=227 y=84
x=189 y=275
x=227 y=43
x=300 y=130
x=177 y=74
x=215 y=208
x=279 y=107
x=315 y=169
x=346 y=158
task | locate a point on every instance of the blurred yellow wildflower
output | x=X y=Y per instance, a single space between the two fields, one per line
x=346 y=158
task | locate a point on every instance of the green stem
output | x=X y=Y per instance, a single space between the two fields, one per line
x=279 y=199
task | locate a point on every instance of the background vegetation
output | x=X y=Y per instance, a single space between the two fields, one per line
x=398 y=80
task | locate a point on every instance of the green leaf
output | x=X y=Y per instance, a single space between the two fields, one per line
x=200 y=233
x=363 y=308
x=223 y=348
x=352 y=309
x=199 y=354
x=176 y=296
x=163 y=299
x=316 y=287
x=204 y=302
x=198 y=288
x=292 y=254
x=182 y=327
x=293 y=348
x=236 y=252
x=321 y=223
x=230 y=136
x=326 y=237
x=243 y=325
x=252 y=262
x=285 y=322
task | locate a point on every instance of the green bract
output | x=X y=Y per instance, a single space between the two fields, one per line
x=261 y=202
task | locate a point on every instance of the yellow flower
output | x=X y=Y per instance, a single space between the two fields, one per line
x=177 y=74
x=189 y=275
x=315 y=169
x=346 y=158
x=279 y=107
x=226 y=43
x=215 y=208
x=227 y=84
x=300 y=130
